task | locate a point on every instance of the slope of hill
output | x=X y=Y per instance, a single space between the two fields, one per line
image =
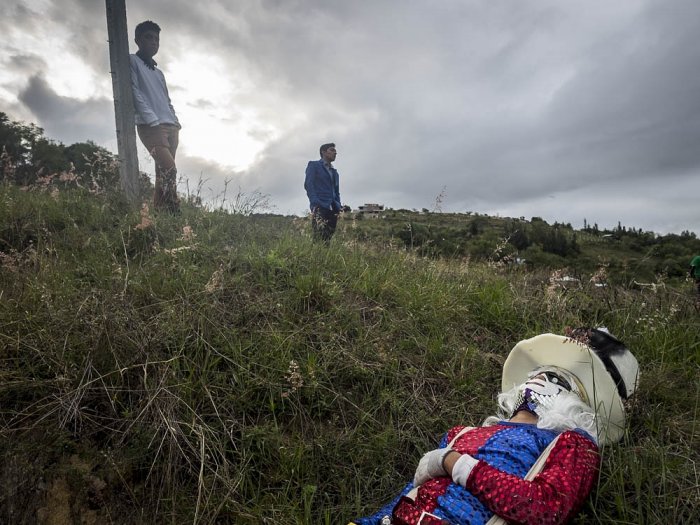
x=218 y=368
x=627 y=254
x=214 y=367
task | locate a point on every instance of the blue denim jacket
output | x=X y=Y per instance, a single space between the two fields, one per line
x=322 y=187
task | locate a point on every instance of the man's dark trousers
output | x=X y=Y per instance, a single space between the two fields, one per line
x=323 y=222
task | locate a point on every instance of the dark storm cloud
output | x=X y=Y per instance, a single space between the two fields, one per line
x=627 y=111
x=85 y=24
x=81 y=22
x=25 y=64
x=388 y=65
x=70 y=119
x=532 y=106
x=632 y=111
x=19 y=18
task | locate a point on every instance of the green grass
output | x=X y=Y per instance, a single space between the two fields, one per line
x=246 y=375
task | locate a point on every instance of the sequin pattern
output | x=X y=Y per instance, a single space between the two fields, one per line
x=507 y=452
x=553 y=496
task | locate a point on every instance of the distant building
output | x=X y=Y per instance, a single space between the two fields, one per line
x=371 y=210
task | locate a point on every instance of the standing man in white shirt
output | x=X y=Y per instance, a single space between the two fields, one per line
x=156 y=122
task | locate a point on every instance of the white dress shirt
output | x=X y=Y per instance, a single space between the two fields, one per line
x=151 y=99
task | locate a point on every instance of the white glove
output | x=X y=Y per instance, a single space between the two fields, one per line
x=430 y=466
x=462 y=468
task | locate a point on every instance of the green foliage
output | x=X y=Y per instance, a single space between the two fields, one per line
x=16 y=143
x=628 y=254
x=216 y=368
x=28 y=158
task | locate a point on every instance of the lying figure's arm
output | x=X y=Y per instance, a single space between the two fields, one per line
x=552 y=497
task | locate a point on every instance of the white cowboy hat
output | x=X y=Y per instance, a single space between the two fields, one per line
x=606 y=369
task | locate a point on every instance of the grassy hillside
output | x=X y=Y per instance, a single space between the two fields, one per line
x=627 y=254
x=218 y=368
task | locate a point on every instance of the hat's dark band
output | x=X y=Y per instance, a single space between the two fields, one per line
x=605 y=345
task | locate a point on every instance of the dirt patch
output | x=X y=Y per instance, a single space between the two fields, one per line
x=58 y=505
x=39 y=487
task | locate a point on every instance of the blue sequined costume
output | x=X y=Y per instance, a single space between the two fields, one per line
x=506 y=452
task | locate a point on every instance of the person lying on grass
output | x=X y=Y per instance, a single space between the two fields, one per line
x=538 y=461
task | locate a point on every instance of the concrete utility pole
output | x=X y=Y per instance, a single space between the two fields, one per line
x=123 y=97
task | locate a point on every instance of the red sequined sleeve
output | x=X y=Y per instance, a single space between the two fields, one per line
x=553 y=496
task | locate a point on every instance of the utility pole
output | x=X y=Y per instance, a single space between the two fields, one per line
x=123 y=97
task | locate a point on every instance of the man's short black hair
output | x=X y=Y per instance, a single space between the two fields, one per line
x=146 y=26
x=324 y=147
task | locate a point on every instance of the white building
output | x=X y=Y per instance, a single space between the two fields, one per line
x=371 y=210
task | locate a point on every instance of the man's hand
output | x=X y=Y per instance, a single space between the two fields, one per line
x=430 y=466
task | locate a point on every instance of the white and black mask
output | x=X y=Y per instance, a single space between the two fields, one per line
x=543 y=386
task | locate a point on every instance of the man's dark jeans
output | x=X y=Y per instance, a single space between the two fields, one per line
x=323 y=222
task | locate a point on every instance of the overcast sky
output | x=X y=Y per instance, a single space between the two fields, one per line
x=562 y=109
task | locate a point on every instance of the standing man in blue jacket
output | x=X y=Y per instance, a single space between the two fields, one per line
x=323 y=189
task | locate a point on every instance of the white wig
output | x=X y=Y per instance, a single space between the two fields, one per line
x=566 y=413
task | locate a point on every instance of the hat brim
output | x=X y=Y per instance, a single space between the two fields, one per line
x=580 y=360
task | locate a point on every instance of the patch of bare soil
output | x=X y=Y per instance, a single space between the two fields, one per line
x=39 y=488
